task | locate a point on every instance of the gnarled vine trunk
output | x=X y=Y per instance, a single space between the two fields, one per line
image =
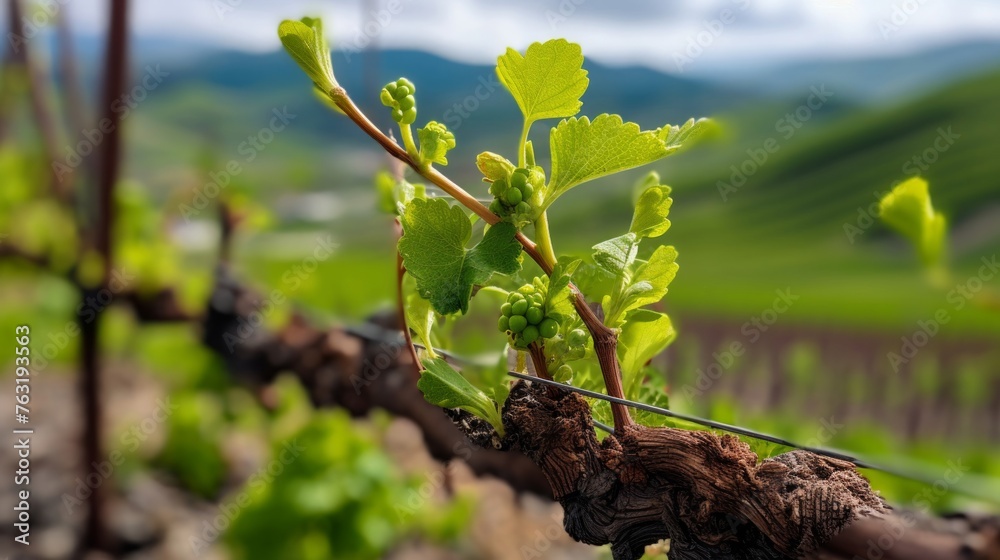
x=338 y=368
x=710 y=496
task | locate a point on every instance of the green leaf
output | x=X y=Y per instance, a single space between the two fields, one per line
x=305 y=42
x=651 y=389
x=496 y=380
x=547 y=81
x=651 y=210
x=651 y=179
x=645 y=334
x=499 y=251
x=385 y=185
x=435 y=141
x=583 y=150
x=647 y=286
x=394 y=194
x=908 y=210
x=494 y=166
x=676 y=137
x=559 y=298
x=405 y=192
x=617 y=255
x=420 y=317
x=593 y=281
x=443 y=386
x=433 y=249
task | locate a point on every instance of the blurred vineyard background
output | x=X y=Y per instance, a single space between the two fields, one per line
x=779 y=202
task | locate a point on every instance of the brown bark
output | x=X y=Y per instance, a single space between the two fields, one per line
x=109 y=166
x=341 y=369
x=709 y=495
x=907 y=535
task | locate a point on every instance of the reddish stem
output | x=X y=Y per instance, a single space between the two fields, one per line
x=538 y=360
x=400 y=303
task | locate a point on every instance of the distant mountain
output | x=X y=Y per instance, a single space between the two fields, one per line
x=637 y=92
x=870 y=78
x=213 y=100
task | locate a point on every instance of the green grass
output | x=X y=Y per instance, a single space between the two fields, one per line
x=350 y=285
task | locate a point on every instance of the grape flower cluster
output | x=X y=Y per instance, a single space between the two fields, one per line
x=398 y=96
x=523 y=317
x=515 y=195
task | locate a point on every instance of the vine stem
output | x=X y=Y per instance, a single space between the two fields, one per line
x=400 y=303
x=544 y=237
x=537 y=352
x=108 y=170
x=538 y=360
x=605 y=339
x=522 y=142
x=408 y=143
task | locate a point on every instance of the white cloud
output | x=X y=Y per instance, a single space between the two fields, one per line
x=646 y=32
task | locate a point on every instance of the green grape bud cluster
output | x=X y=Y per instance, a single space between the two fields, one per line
x=517 y=195
x=566 y=348
x=398 y=96
x=523 y=316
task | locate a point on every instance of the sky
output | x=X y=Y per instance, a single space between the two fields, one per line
x=683 y=36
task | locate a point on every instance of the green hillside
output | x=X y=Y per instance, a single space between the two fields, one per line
x=946 y=137
x=787 y=226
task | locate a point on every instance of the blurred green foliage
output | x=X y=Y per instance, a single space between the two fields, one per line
x=193 y=448
x=329 y=491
